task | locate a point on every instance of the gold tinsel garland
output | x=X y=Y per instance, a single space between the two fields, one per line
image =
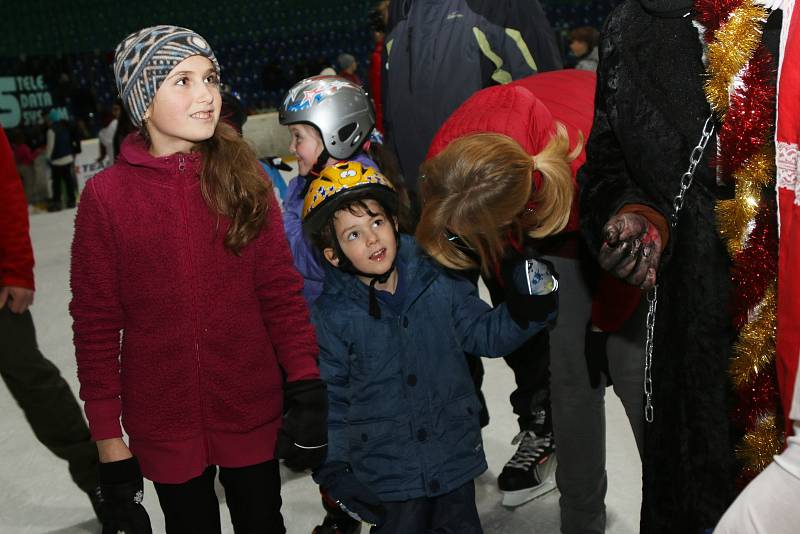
x=734 y=215
x=733 y=46
x=735 y=43
x=754 y=351
x=758 y=446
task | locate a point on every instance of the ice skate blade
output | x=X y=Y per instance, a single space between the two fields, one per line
x=512 y=499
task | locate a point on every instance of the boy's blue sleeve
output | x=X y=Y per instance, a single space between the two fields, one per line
x=305 y=261
x=334 y=369
x=484 y=330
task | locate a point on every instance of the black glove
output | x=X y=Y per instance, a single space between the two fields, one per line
x=594 y=350
x=341 y=485
x=303 y=439
x=523 y=306
x=122 y=490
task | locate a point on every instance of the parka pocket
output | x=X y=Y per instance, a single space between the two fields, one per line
x=378 y=452
x=462 y=428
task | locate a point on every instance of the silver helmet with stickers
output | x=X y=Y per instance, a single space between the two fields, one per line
x=340 y=110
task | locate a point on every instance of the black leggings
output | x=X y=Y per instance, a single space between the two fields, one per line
x=253 y=495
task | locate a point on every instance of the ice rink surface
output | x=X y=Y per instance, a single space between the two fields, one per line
x=37 y=495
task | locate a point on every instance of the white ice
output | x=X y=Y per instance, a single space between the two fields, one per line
x=37 y=495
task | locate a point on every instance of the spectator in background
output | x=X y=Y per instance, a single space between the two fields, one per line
x=378 y=18
x=106 y=136
x=347 y=68
x=583 y=43
x=439 y=53
x=61 y=152
x=124 y=127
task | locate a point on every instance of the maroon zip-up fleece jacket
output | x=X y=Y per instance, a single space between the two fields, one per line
x=196 y=374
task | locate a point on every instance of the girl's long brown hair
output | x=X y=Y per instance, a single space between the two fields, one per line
x=234 y=185
x=477 y=189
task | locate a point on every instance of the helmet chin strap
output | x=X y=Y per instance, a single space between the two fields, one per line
x=315 y=171
x=374 y=307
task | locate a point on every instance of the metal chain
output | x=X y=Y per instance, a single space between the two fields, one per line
x=652 y=295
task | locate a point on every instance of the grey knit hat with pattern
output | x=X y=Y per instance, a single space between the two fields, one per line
x=144 y=59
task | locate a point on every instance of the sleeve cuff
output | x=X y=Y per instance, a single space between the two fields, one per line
x=17 y=281
x=654 y=217
x=304 y=373
x=103 y=416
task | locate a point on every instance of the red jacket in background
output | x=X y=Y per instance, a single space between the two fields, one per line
x=16 y=254
x=375 y=83
x=206 y=334
x=527 y=110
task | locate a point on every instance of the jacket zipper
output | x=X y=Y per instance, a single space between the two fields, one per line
x=193 y=274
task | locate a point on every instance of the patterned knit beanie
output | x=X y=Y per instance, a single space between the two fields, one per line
x=144 y=59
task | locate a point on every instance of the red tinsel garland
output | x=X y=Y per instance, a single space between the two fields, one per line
x=755 y=267
x=753 y=397
x=749 y=116
x=745 y=130
x=712 y=13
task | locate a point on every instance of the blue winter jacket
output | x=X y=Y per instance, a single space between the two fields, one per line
x=306 y=260
x=402 y=406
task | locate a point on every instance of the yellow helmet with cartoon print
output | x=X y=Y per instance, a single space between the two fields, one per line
x=339 y=183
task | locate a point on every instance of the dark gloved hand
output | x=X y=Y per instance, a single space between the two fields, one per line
x=594 y=350
x=523 y=306
x=632 y=249
x=341 y=485
x=303 y=438
x=122 y=490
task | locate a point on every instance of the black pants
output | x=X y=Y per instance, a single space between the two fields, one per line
x=452 y=513
x=45 y=398
x=63 y=173
x=253 y=495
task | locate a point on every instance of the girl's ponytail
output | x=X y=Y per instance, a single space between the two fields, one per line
x=553 y=200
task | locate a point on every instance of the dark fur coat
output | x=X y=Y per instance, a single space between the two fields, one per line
x=650 y=110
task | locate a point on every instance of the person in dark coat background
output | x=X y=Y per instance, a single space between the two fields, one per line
x=439 y=52
x=650 y=111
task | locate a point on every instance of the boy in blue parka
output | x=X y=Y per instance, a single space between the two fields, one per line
x=404 y=440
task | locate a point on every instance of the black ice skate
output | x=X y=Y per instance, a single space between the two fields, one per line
x=530 y=473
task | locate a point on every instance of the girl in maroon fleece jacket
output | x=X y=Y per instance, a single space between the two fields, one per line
x=180 y=247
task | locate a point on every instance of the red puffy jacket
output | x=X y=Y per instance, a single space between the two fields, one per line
x=527 y=110
x=16 y=254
